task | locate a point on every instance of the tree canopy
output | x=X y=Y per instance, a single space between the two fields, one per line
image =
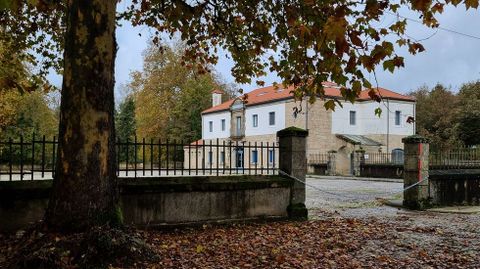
x=171 y=96
x=468 y=115
x=305 y=42
x=448 y=118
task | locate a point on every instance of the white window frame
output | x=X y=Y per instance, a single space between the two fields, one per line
x=353 y=117
x=271 y=120
x=223 y=122
x=222 y=157
x=210 y=157
x=271 y=156
x=238 y=125
x=255 y=120
x=210 y=126
x=398 y=118
x=254 y=156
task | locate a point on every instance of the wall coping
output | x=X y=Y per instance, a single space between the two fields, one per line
x=202 y=183
x=292 y=131
x=41 y=188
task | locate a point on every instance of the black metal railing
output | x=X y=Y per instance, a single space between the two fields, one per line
x=319 y=158
x=36 y=159
x=460 y=158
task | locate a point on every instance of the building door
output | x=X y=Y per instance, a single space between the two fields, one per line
x=239 y=157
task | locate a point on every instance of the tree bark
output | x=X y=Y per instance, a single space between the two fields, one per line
x=85 y=189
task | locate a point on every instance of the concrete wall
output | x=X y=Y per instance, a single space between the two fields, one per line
x=381 y=170
x=156 y=201
x=454 y=187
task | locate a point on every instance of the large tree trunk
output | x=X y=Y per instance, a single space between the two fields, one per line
x=85 y=186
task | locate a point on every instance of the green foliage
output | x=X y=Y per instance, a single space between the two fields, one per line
x=31 y=114
x=126 y=128
x=468 y=115
x=125 y=120
x=35 y=31
x=171 y=95
x=448 y=119
x=313 y=40
x=435 y=114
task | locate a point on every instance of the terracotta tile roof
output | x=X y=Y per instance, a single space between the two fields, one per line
x=386 y=94
x=218 y=91
x=194 y=144
x=271 y=94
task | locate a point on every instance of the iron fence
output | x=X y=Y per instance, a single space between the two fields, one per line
x=394 y=158
x=319 y=158
x=36 y=159
x=460 y=158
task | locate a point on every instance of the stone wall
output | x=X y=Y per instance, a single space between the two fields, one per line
x=454 y=187
x=159 y=201
x=381 y=170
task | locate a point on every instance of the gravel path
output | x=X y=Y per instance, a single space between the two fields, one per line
x=452 y=235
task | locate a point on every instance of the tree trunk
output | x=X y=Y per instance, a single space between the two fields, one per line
x=85 y=189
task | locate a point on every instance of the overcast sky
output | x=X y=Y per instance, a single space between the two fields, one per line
x=450 y=58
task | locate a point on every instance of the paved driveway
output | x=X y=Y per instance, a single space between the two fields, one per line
x=351 y=197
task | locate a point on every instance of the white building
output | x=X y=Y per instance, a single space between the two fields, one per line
x=258 y=115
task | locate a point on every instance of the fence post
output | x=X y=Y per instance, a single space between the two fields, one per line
x=293 y=161
x=416 y=167
x=358 y=160
x=331 y=163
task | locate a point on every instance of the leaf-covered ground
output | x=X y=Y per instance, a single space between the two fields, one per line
x=333 y=242
x=342 y=233
x=330 y=242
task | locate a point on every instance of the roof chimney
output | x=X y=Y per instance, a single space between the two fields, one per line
x=216 y=97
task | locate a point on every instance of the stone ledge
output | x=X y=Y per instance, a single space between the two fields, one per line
x=292 y=131
x=41 y=188
x=202 y=184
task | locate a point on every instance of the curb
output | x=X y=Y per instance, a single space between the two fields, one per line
x=390 y=180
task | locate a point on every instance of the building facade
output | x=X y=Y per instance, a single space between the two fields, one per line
x=249 y=122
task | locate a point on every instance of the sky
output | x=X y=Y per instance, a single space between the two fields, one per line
x=450 y=58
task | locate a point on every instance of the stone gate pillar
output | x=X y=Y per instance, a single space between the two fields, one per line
x=358 y=161
x=415 y=170
x=293 y=161
x=331 y=163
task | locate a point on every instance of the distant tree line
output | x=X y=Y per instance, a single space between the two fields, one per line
x=449 y=118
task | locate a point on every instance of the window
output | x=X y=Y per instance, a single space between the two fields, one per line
x=239 y=126
x=398 y=156
x=223 y=124
x=222 y=157
x=271 y=118
x=254 y=156
x=210 y=157
x=353 y=118
x=271 y=156
x=398 y=115
x=210 y=126
x=255 y=120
